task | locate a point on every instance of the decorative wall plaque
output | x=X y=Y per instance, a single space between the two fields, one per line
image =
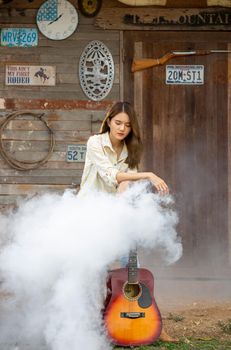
x=30 y=75
x=96 y=70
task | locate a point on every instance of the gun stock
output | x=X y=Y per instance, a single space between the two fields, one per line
x=138 y=65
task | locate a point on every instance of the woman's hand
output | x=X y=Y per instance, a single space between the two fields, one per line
x=158 y=183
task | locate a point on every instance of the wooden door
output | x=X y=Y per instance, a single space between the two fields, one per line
x=185 y=134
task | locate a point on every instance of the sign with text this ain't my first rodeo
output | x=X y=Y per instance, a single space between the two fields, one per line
x=30 y=75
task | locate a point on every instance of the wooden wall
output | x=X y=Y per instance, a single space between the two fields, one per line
x=70 y=114
x=187 y=142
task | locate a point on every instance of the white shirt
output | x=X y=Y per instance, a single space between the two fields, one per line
x=102 y=165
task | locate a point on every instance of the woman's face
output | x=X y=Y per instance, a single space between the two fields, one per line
x=120 y=126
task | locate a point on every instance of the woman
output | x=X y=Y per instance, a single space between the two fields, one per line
x=113 y=157
x=114 y=154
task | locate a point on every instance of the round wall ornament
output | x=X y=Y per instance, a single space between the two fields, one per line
x=57 y=19
x=96 y=70
x=89 y=8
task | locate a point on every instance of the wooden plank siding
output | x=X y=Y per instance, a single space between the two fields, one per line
x=186 y=138
x=28 y=139
x=229 y=158
x=69 y=113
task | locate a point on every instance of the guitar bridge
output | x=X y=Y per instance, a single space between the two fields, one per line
x=132 y=314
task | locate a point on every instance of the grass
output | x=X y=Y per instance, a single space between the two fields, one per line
x=187 y=344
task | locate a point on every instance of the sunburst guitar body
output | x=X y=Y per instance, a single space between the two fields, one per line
x=131 y=315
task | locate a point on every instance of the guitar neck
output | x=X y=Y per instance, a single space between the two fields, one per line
x=132 y=267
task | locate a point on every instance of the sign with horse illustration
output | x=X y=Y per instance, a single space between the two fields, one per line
x=30 y=75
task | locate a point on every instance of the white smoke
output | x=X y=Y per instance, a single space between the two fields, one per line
x=55 y=255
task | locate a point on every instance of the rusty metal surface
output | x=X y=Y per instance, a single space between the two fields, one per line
x=23 y=104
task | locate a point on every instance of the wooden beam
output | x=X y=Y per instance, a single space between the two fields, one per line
x=138 y=94
x=177 y=3
x=229 y=157
x=121 y=74
x=138 y=18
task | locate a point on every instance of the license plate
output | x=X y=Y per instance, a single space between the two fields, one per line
x=76 y=153
x=185 y=75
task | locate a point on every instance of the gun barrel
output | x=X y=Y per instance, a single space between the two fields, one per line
x=184 y=53
x=221 y=51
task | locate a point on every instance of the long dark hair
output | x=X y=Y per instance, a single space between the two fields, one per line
x=133 y=140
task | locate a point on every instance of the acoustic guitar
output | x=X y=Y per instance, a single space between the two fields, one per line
x=131 y=315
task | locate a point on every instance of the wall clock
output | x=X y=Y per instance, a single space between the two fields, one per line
x=89 y=8
x=57 y=19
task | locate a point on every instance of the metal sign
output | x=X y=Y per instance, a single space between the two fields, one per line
x=96 y=70
x=19 y=37
x=76 y=153
x=30 y=75
x=185 y=74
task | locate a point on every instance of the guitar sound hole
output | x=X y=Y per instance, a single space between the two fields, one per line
x=132 y=290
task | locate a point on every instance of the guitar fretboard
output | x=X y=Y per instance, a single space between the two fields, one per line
x=132 y=267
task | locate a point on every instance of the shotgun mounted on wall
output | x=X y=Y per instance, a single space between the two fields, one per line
x=144 y=63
